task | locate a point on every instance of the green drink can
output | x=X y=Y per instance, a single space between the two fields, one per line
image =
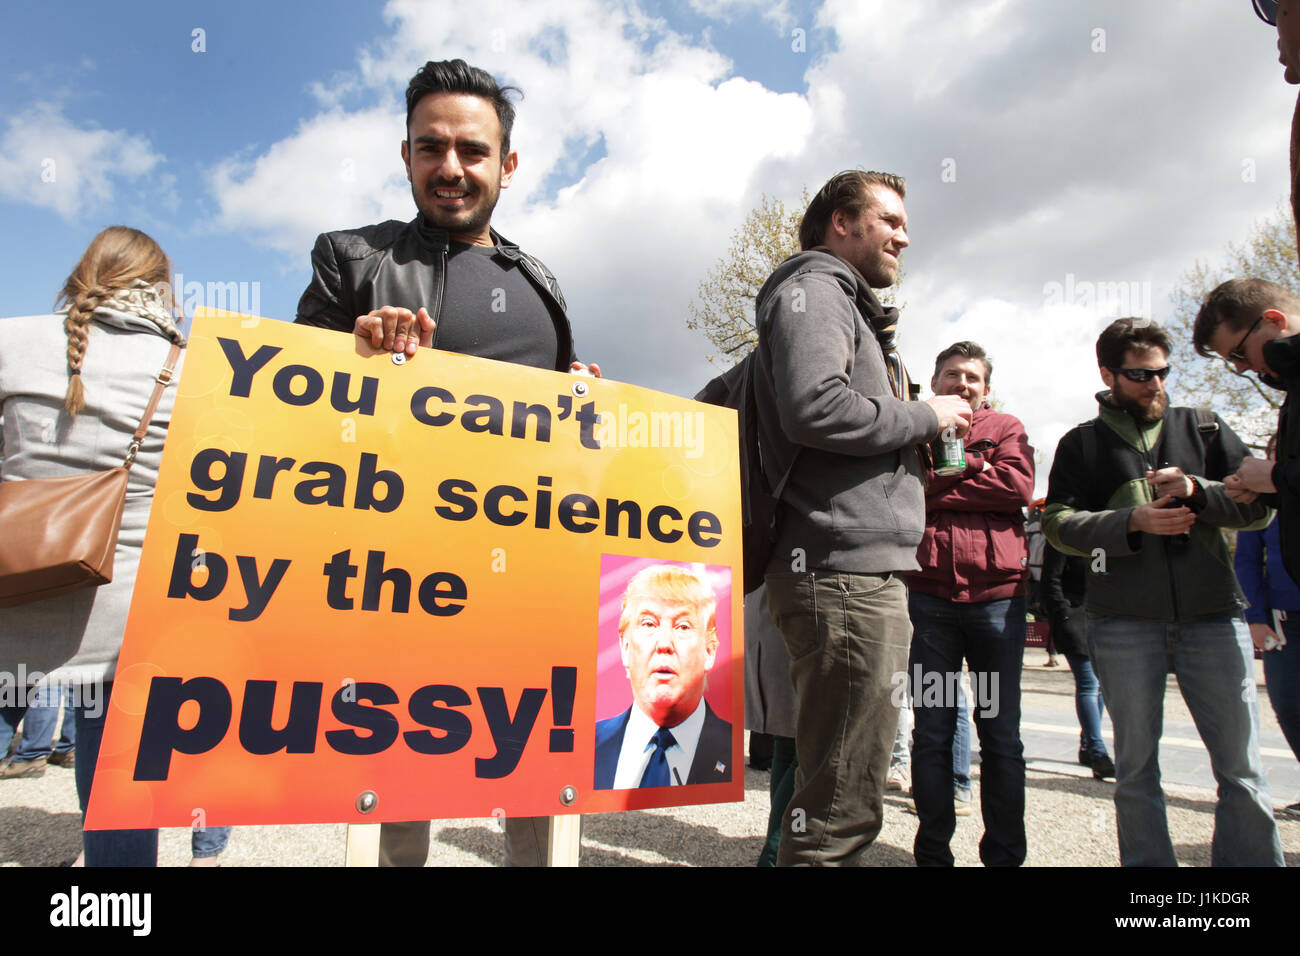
x=949 y=454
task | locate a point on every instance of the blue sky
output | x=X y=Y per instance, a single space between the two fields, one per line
x=1045 y=146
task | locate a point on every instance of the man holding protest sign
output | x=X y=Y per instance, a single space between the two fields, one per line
x=446 y=278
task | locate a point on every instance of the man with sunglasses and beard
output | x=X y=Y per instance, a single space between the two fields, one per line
x=1138 y=491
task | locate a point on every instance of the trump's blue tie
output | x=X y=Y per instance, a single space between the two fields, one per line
x=656 y=772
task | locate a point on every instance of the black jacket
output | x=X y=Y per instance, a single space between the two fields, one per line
x=1065 y=579
x=1283 y=357
x=1098 y=478
x=404 y=264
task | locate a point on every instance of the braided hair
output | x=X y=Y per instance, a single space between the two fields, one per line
x=116 y=258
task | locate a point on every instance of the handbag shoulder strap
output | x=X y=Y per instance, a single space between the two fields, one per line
x=162 y=380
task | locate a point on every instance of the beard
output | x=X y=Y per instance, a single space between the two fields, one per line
x=1152 y=412
x=879 y=269
x=462 y=222
x=881 y=272
x=877 y=266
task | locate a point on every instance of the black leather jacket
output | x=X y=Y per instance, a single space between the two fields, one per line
x=403 y=264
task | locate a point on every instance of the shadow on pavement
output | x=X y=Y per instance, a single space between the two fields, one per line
x=17 y=824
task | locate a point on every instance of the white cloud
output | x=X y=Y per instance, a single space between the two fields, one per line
x=1120 y=162
x=338 y=170
x=1113 y=160
x=47 y=160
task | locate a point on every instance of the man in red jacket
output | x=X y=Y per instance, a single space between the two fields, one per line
x=968 y=601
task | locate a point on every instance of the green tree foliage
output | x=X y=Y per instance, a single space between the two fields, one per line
x=1249 y=407
x=724 y=309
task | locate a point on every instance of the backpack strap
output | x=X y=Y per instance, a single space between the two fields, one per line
x=1207 y=425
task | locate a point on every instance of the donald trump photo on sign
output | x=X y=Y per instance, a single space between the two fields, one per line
x=668 y=640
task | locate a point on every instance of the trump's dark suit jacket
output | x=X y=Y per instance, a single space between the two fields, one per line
x=713 y=749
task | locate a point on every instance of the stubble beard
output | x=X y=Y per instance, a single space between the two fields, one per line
x=469 y=222
x=880 y=271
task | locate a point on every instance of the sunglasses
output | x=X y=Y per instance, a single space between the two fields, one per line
x=1237 y=355
x=1266 y=10
x=1140 y=375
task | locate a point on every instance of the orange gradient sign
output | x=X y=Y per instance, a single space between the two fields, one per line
x=376 y=591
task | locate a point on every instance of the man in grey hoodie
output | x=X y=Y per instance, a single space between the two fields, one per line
x=834 y=413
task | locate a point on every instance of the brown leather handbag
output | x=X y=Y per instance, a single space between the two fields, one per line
x=60 y=534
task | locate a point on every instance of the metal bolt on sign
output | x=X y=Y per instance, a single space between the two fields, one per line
x=367 y=801
x=569 y=796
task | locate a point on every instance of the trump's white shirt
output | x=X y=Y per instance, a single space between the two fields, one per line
x=639 y=746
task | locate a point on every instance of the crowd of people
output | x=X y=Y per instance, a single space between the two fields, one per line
x=895 y=562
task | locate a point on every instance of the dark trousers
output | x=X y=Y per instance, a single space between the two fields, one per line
x=847 y=635
x=1282 y=678
x=780 y=789
x=105 y=847
x=991 y=637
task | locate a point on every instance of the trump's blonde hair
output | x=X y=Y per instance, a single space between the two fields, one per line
x=675 y=584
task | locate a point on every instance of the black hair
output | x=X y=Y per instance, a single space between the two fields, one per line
x=1123 y=335
x=457 y=76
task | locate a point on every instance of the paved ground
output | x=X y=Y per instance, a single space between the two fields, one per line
x=1070 y=817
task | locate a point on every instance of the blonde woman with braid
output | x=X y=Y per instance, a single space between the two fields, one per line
x=73 y=386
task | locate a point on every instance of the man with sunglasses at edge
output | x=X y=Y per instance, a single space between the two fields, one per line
x=1251 y=325
x=1264 y=317
x=1139 y=492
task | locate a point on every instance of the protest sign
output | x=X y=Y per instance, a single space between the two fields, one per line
x=374 y=590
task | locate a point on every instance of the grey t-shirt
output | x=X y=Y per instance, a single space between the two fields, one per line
x=490 y=309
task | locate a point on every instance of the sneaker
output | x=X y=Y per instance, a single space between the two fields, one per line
x=961 y=803
x=66 y=759
x=1103 y=767
x=23 y=768
x=1052 y=661
x=1084 y=759
x=1292 y=812
x=899 y=779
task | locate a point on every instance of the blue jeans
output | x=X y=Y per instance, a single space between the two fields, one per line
x=990 y=635
x=902 y=755
x=1087 y=705
x=123 y=847
x=1282 y=677
x=961 y=744
x=38 y=720
x=1213 y=661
